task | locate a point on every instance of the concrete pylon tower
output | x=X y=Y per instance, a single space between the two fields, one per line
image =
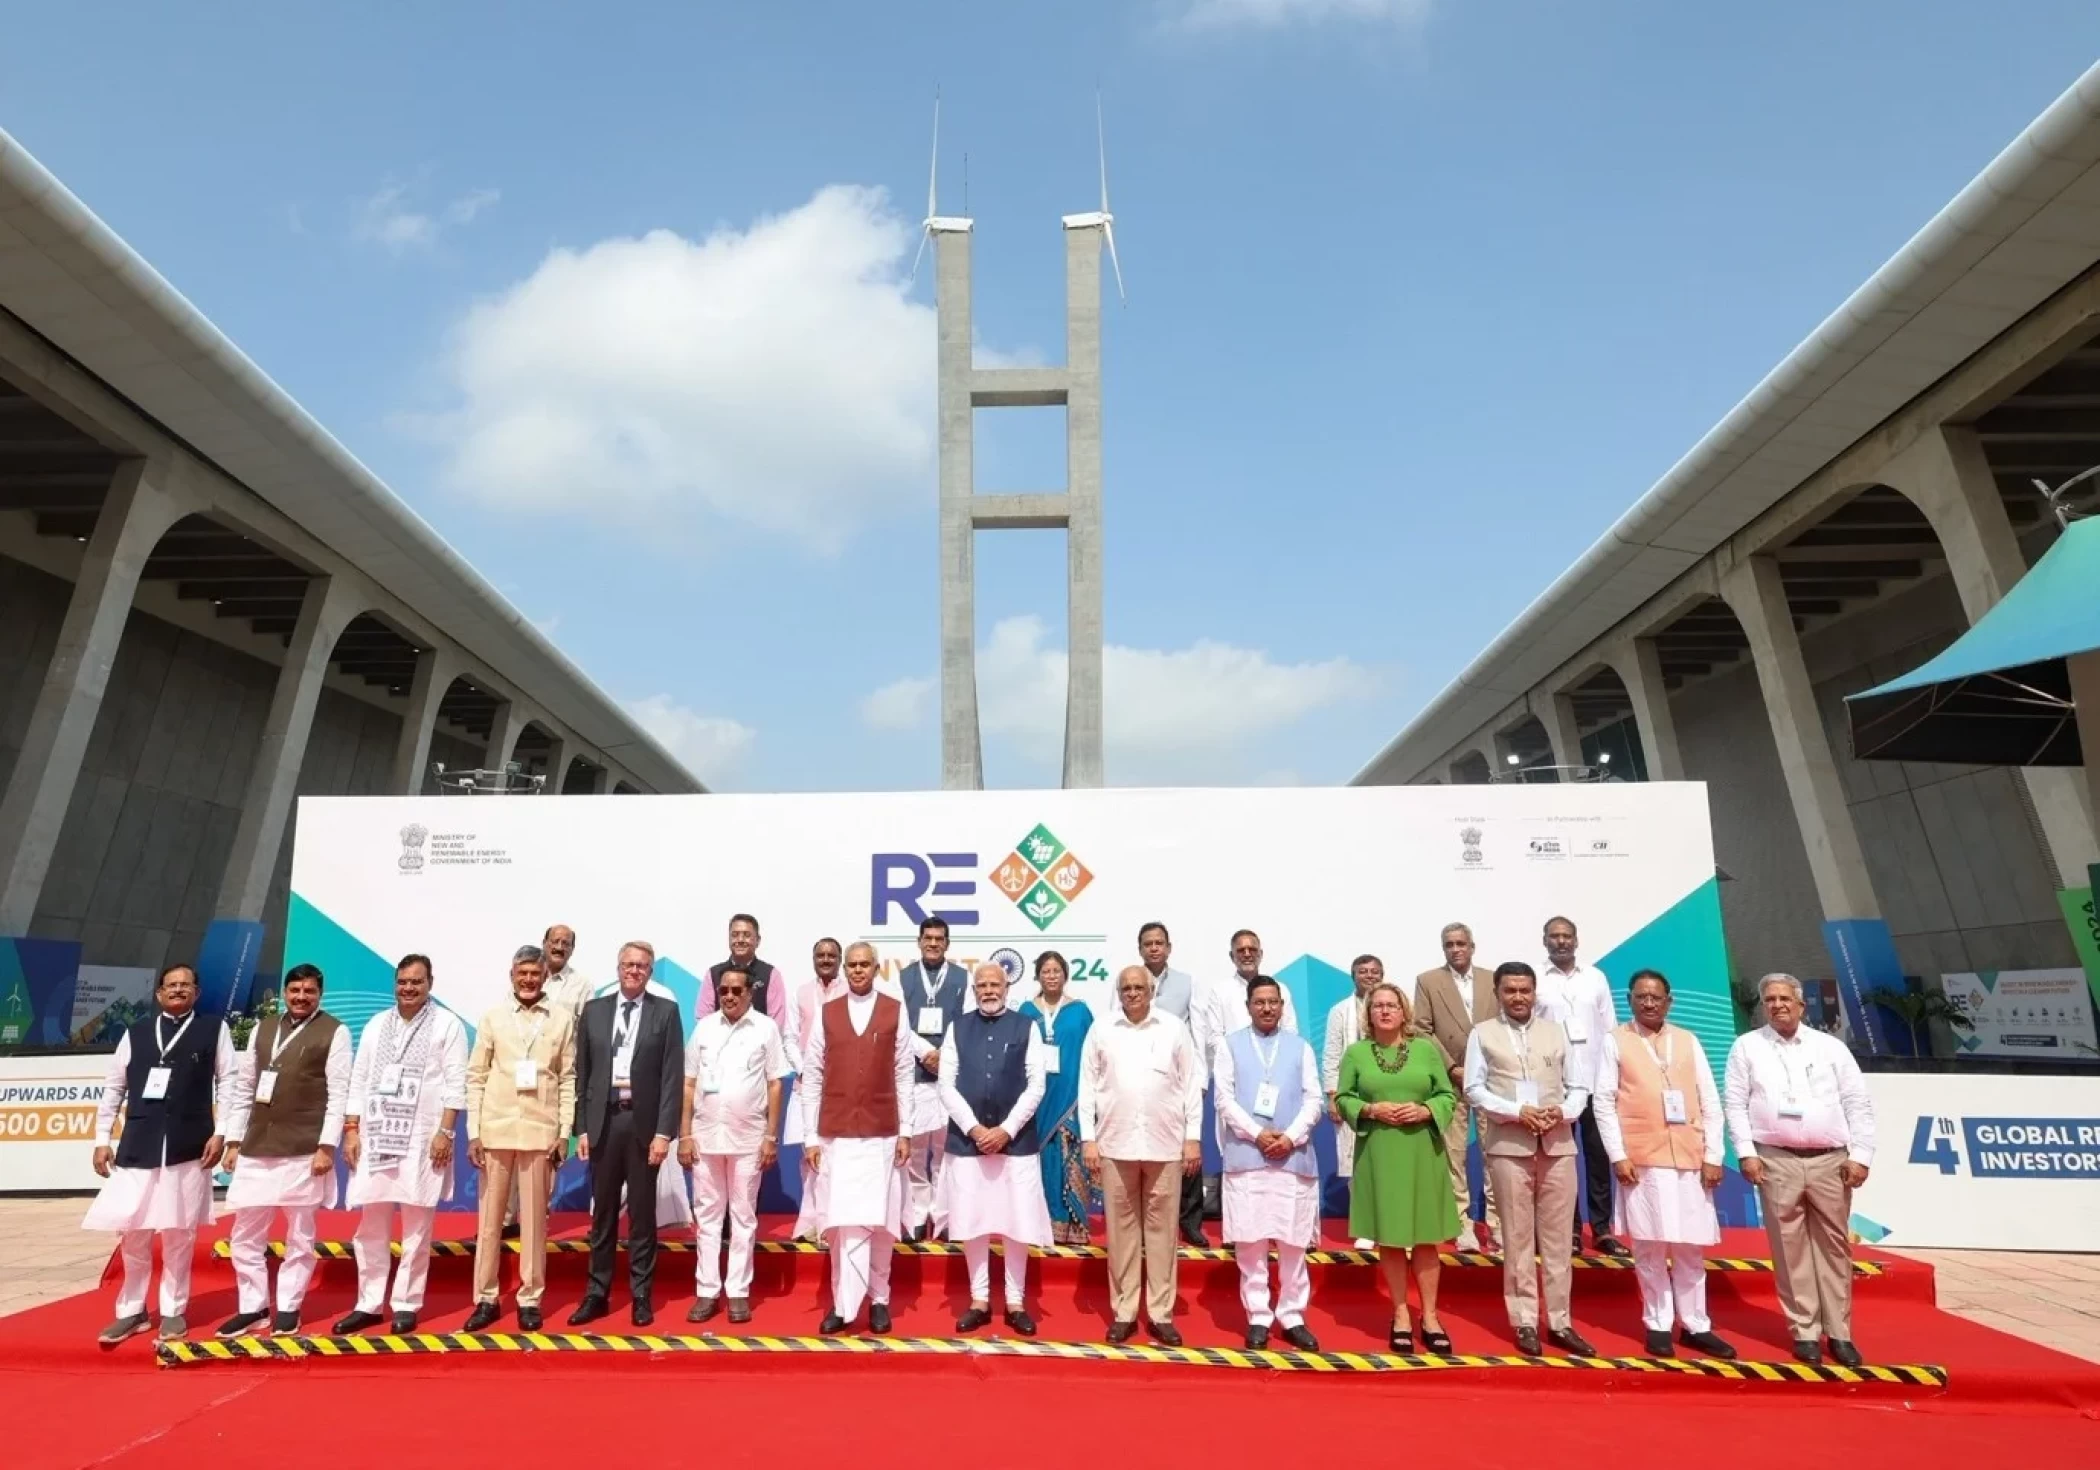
x=965 y=388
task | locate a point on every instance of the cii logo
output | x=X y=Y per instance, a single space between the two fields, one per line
x=1041 y=877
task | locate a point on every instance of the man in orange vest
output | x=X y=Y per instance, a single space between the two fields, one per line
x=1659 y=1115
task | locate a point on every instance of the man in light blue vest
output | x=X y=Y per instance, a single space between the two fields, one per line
x=1268 y=1089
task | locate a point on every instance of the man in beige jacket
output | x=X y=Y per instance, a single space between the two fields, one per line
x=1449 y=1002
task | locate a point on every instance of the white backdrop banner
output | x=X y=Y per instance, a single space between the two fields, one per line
x=47 y=1121
x=2023 y=1013
x=1983 y=1163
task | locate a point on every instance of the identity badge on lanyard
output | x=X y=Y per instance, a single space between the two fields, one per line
x=1674 y=1109
x=158 y=1076
x=1265 y=1096
x=1791 y=1106
x=1052 y=1058
x=390 y=1072
x=266 y=1080
x=526 y=1075
x=1527 y=1085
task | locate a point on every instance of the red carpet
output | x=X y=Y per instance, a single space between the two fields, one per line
x=2002 y=1394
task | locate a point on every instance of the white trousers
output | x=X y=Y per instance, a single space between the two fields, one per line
x=860 y=1268
x=922 y=1177
x=724 y=1184
x=1673 y=1285
x=136 y=1247
x=1293 y=1282
x=375 y=1234
x=251 y=1257
x=977 y=1251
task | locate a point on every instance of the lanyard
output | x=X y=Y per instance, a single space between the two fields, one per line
x=1520 y=1043
x=169 y=1045
x=414 y=1026
x=1780 y=1050
x=539 y=1024
x=621 y=1035
x=1268 y=1063
x=280 y=1043
x=1669 y=1049
x=1050 y=1015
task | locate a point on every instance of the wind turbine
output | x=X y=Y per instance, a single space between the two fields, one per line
x=1101 y=216
x=935 y=221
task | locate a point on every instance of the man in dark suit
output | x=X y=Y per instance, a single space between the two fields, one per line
x=630 y=1079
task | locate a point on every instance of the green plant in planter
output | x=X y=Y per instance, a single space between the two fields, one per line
x=1918 y=1009
x=243 y=1026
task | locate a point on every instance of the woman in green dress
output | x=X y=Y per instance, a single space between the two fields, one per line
x=1395 y=1092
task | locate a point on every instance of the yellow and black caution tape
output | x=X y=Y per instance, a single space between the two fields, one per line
x=423 y=1344
x=342 y=1250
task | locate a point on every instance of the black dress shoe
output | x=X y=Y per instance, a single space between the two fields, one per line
x=641 y=1314
x=1019 y=1320
x=530 y=1320
x=973 y=1319
x=1659 y=1345
x=1121 y=1331
x=1195 y=1239
x=1712 y=1346
x=879 y=1319
x=482 y=1317
x=590 y=1309
x=1844 y=1353
x=1807 y=1351
x=1528 y=1341
x=1301 y=1338
x=510 y=1231
x=832 y=1325
x=740 y=1309
x=1611 y=1245
x=1569 y=1340
x=403 y=1324
x=357 y=1322
x=704 y=1309
x=1257 y=1338
x=1166 y=1334
x=1577 y=1247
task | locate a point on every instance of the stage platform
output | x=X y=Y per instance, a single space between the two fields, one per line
x=1919 y=1356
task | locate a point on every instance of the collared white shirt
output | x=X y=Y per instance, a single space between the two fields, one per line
x=1024 y=1106
x=116 y=1082
x=1580 y=999
x=1606 y=1098
x=1345 y=1027
x=1231 y=1115
x=568 y=989
x=335 y=1070
x=1508 y=1109
x=728 y=1065
x=1140 y=1088
x=1232 y=1010
x=1206 y=1019
x=1770 y=1077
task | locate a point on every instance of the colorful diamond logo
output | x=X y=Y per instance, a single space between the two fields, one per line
x=1014 y=877
x=1041 y=876
x=1069 y=876
x=1040 y=848
x=1041 y=905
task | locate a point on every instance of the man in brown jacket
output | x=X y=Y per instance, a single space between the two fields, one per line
x=1449 y=1002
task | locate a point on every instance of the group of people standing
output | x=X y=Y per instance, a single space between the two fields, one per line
x=930 y=1106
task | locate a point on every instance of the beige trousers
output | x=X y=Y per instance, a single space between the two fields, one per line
x=1141 y=1199
x=1462 y=1187
x=534 y=1176
x=1808 y=1215
x=1536 y=1193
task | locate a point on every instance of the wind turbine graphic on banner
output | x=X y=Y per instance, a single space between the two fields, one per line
x=935 y=220
x=1101 y=217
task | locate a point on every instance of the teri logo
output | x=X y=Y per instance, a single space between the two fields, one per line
x=1041 y=877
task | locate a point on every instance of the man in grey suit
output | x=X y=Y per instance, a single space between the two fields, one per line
x=630 y=1079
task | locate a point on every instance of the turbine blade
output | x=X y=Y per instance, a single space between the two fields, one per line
x=1108 y=232
x=913 y=279
x=933 y=174
x=1101 y=145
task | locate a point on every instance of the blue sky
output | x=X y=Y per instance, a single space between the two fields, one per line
x=1423 y=294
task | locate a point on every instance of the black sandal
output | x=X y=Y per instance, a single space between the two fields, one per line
x=1402 y=1341
x=1437 y=1342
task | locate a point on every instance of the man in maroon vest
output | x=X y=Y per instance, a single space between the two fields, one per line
x=856 y=1077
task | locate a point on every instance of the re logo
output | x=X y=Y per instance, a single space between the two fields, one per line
x=1040 y=877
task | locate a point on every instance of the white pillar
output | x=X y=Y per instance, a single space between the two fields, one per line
x=435 y=670
x=273 y=781
x=1835 y=858
x=1557 y=713
x=600 y=780
x=1948 y=476
x=510 y=722
x=557 y=763
x=1639 y=667
x=135 y=514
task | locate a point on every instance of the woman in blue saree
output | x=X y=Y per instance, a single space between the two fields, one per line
x=1063 y=1025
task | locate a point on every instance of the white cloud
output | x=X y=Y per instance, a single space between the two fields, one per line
x=391 y=218
x=712 y=747
x=777 y=377
x=1170 y=715
x=1275 y=14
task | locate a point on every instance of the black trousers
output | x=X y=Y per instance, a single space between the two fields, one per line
x=1192 y=1201
x=1596 y=1176
x=621 y=1158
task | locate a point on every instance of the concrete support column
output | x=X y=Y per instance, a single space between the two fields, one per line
x=510 y=722
x=962 y=753
x=1639 y=667
x=2085 y=693
x=436 y=668
x=1083 y=757
x=1949 y=478
x=1557 y=713
x=600 y=782
x=557 y=764
x=325 y=611
x=1835 y=858
x=137 y=511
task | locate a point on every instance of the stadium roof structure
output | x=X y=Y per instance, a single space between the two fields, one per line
x=2022 y=230
x=71 y=280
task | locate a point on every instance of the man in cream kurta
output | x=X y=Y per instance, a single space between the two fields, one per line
x=855 y=1109
x=1659 y=1115
x=407 y=1089
x=1268 y=1089
x=1345 y=1027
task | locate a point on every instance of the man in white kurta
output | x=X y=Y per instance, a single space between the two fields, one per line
x=992 y=1079
x=856 y=1089
x=1268 y=1090
x=735 y=1063
x=407 y=1090
x=286 y=1122
x=826 y=959
x=1659 y=1115
x=171 y=1076
x=935 y=993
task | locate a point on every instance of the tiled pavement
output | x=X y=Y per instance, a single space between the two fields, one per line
x=2050 y=1299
